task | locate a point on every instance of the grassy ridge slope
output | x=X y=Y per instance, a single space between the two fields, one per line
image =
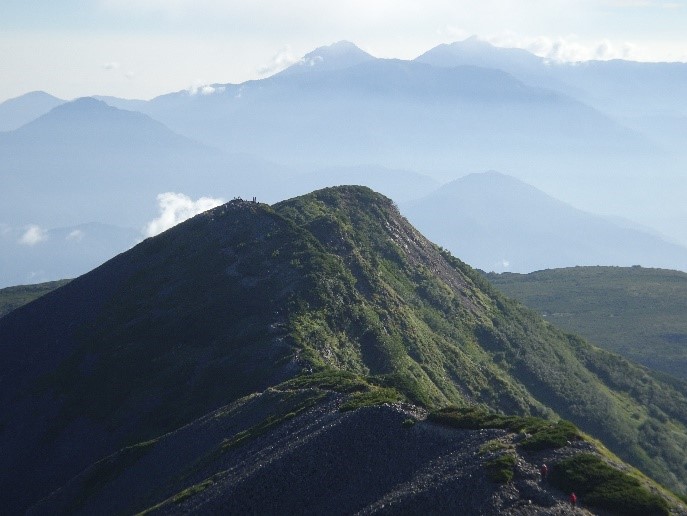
x=246 y=296
x=14 y=297
x=424 y=322
x=637 y=312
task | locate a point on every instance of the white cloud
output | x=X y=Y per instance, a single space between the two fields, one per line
x=113 y=65
x=175 y=208
x=281 y=60
x=567 y=49
x=75 y=236
x=203 y=88
x=33 y=235
x=311 y=61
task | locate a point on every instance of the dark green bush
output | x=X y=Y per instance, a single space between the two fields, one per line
x=599 y=485
x=329 y=379
x=500 y=468
x=407 y=423
x=377 y=396
x=551 y=435
x=543 y=434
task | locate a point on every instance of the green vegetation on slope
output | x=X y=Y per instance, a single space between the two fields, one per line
x=636 y=312
x=604 y=487
x=387 y=304
x=541 y=433
x=376 y=306
x=14 y=297
x=333 y=289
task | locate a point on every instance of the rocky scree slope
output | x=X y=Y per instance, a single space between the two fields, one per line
x=295 y=451
x=246 y=296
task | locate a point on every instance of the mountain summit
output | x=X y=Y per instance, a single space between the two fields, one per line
x=332 y=291
x=339 y=55
x=476 y=52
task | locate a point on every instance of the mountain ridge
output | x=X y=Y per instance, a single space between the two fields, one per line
x=246 y=296
x=341 y=54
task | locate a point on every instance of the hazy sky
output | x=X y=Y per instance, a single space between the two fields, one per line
x=143 y=48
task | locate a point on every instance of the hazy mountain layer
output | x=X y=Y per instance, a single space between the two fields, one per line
x=498 y=223
x=86 y=161
x=620 y=87
x=245 y=296
x=603 y=136
x=21 y=110
x=401 y=114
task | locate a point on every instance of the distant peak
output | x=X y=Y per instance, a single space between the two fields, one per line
x=340 y=47
x=491 y=176
x=339 y=55
x=343 y=45
x=341 y=50
x=84 y=109
x=86 y=101
x=487 y=179
x=83 y=105
x=473 y=41
x=476 y=51
x=37 y=94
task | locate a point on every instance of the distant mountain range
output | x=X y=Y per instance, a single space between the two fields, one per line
x=87 y=161
x=617 y=87
x=407 y=115
x=498 y=223
x=211 y=369
x=342 y=116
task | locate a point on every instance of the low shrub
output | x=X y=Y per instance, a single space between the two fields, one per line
x=500 y=469
x=329 y=379
x=551 y=435
x=599 y=485
x=377 y=396
x=542 y=434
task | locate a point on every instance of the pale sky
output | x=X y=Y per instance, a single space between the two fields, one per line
x=144 y=48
